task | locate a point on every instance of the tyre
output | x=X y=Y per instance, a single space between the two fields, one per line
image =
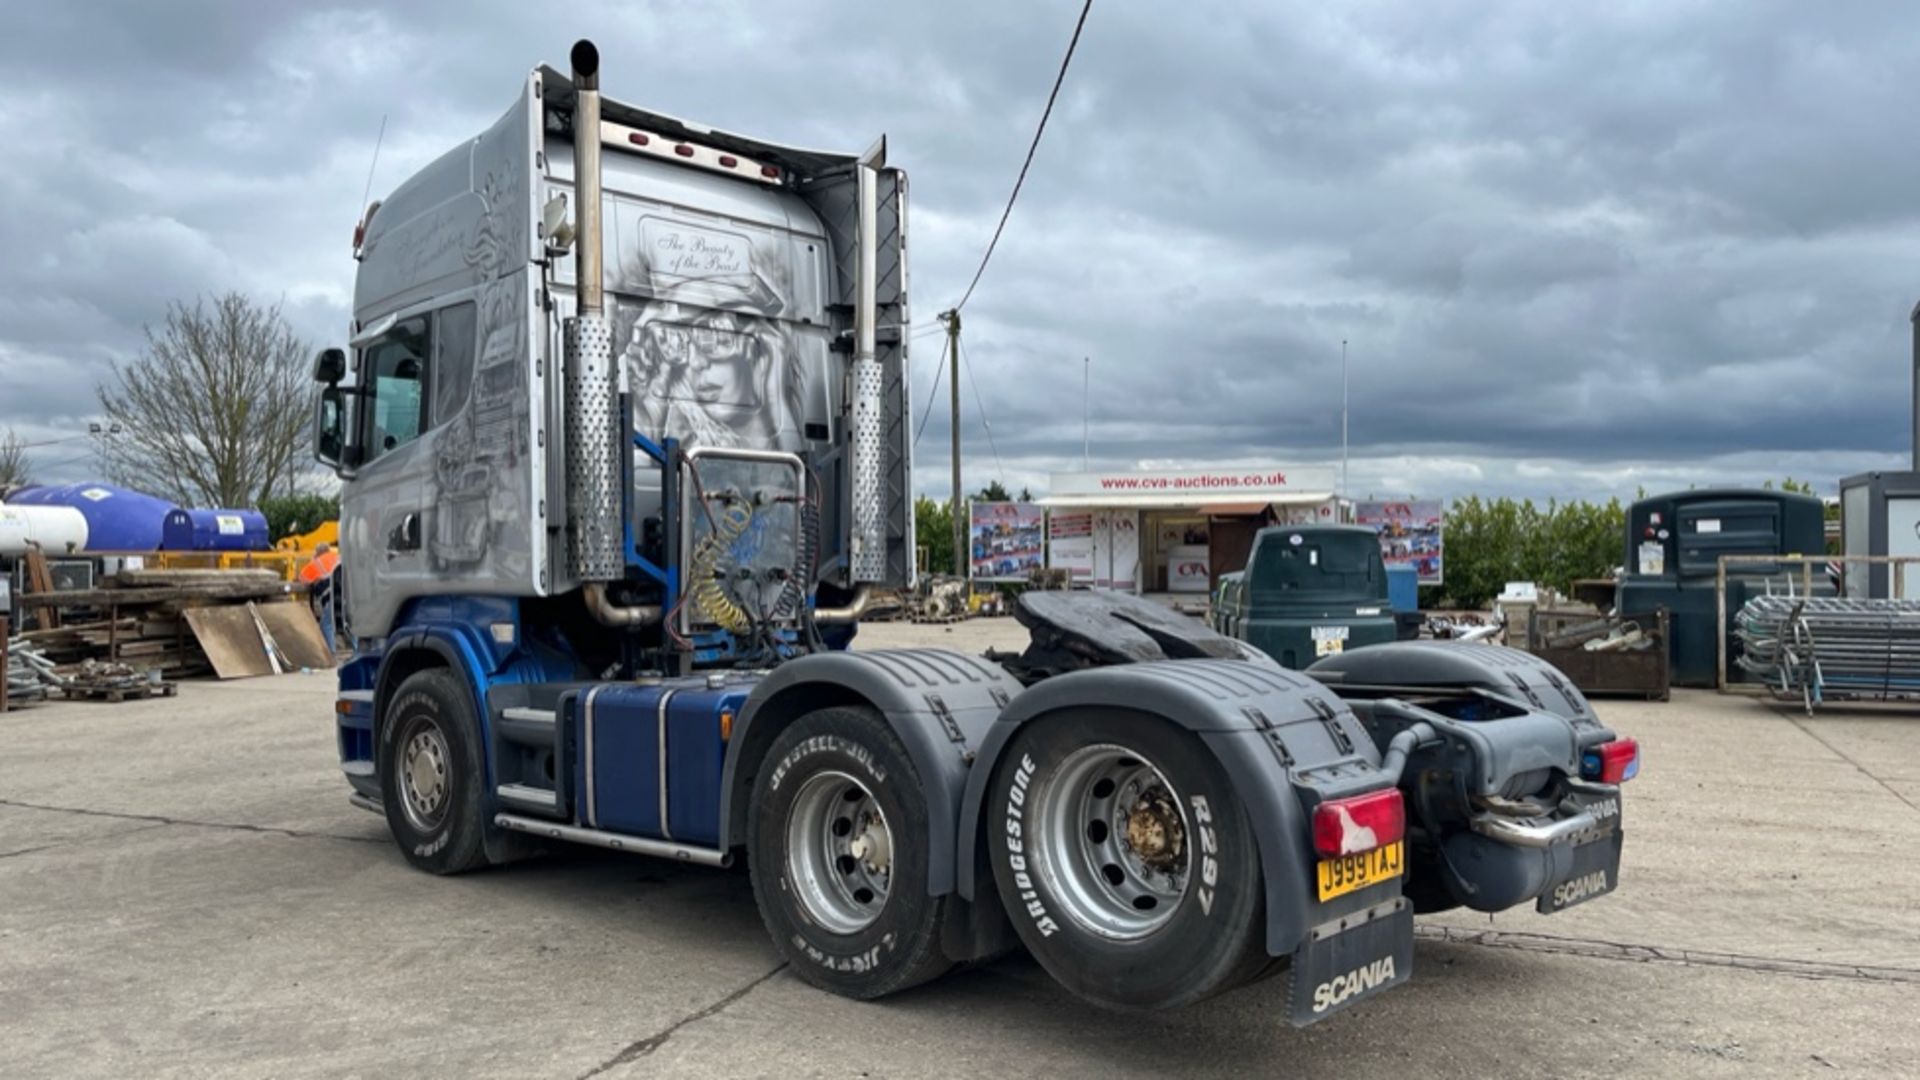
x=1125 y=860
x=431 y=774
x=836 y=846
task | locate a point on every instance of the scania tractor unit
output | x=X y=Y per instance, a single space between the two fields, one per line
x=622 y=433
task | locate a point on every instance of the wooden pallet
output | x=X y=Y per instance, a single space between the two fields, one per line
x=116 y=694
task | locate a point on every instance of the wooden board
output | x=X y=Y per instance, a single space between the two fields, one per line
x=229 y=636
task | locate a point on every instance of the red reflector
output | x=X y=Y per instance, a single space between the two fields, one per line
x=728 y=161
x=769 y=172
x=683 y=150
x=1611 y=762
x=637 y=139
x=1362 y=823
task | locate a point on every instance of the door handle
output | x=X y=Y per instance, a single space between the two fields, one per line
x=405 y=536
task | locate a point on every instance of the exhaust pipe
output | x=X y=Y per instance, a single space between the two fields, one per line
x=867 y=554
x=586 y=176
x=862 y=600
x=607 y=613
x=595 y=470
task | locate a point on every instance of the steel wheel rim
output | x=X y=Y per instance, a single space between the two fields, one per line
x=839 y=852
x=1114 y=841
x=424 y=777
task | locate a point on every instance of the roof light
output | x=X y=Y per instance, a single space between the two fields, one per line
x=683 y=150
x=1360 y=823
x=1611 y=762
x=728 y=161
x=637 y=138
x=769 y=172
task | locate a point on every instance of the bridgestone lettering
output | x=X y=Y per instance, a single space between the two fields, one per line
x=1029 y=898
x=1358 y=981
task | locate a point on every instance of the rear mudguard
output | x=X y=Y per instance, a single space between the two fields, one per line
x=940 y=703
x=1281 y=737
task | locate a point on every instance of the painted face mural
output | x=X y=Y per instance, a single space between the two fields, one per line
x=710 y=355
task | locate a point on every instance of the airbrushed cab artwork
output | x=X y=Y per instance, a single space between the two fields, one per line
x=622 y=433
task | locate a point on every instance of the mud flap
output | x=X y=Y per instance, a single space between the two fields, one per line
x=1349 y=960
x=1591 y=870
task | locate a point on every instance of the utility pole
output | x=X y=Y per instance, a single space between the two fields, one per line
x=1343 y=418
x=953 y=384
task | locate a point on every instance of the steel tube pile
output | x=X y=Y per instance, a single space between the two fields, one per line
x=1823 y=648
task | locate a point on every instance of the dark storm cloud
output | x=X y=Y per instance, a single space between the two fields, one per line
x=1572 y=248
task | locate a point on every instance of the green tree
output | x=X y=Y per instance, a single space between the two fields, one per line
x=291 y=515
x=933 y=532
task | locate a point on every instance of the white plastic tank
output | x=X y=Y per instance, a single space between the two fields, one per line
x=58 y=530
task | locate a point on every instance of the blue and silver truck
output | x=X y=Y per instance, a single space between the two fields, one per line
x=622 y=433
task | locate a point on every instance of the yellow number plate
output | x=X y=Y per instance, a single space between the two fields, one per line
x=1343 y=875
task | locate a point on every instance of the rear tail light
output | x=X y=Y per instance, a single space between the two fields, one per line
x=1611 y=762
x=1361 y=823
x=683 y=150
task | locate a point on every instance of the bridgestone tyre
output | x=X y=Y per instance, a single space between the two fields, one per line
x=1169 y=921
x=836 y=843
x=431 y=774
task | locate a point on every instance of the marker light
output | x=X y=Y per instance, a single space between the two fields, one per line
x=1360 y=823
x=1611 y=762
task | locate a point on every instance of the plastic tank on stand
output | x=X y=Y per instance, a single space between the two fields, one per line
x=118 y=519
x=214 y=530
x=55 y=530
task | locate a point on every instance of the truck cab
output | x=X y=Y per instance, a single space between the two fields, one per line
x=1308 y=592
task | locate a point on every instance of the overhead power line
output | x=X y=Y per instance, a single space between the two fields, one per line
x=1025 y=165
x=981 y=404
x=932 y=392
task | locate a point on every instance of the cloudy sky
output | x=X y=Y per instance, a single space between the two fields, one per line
x=1574 y=252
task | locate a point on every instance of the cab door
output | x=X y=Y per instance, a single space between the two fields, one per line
x=383 y=510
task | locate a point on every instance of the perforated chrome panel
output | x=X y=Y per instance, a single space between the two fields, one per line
x=869 y=562
x=593 y=452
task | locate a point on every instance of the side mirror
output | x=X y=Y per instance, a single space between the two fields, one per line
x=330 y=425
x=330 y=366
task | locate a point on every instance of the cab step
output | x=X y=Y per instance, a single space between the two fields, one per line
x=527 y=799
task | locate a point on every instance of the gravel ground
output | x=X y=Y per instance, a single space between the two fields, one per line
x=184 y=891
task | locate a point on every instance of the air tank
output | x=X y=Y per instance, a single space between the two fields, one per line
x=58 y=530
x=118 y=520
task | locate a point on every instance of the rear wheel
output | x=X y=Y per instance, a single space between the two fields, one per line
x=1126 y=861
x=836 y=843
x=430 y=774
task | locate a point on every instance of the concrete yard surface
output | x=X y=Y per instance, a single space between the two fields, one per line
x=185 y=891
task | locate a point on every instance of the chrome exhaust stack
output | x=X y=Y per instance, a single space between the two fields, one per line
x=594 y=473
x=867 y=554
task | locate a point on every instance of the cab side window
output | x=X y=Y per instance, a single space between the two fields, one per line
x=396 y=367
x=452 y=360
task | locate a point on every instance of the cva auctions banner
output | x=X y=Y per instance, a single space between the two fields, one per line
x=1410 y=531
x=1006 y=540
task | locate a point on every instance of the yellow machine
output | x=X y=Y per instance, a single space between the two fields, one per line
x=287 y=558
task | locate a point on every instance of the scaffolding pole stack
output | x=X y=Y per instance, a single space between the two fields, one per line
x=1832 y=648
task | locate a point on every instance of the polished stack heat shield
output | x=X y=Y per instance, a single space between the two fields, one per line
x=1832 y=648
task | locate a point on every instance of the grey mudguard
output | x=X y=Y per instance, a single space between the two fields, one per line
x=1275 y=732
x=1522 y=677
x=939 y=702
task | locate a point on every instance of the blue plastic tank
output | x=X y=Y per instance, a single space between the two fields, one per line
x=214 y=530
x=1403 y=588
x=118 y=519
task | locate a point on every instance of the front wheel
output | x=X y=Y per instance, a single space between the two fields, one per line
x=431 y=774
x=1126 y=861
x=836 y=842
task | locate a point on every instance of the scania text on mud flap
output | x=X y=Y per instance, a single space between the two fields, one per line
x=621 y=431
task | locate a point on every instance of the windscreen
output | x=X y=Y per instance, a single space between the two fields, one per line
x=1315 y=564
